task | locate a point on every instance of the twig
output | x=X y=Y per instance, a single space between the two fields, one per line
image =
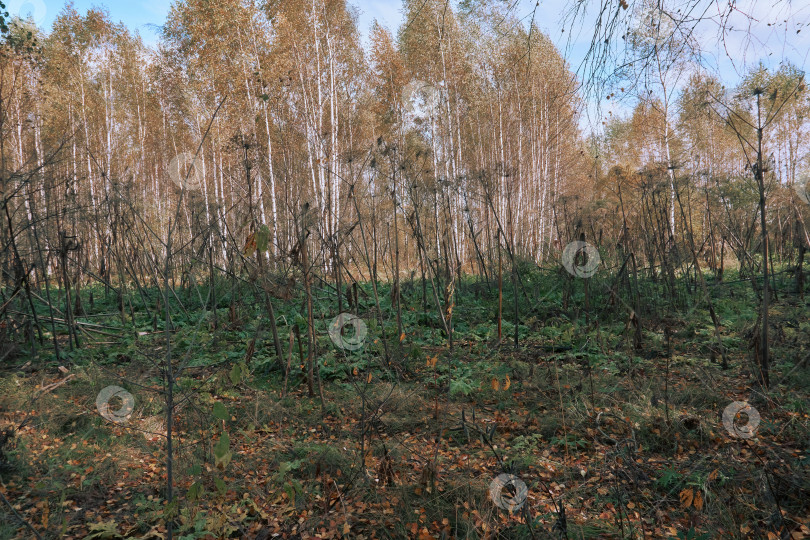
x=55 y=385
x=19 y=517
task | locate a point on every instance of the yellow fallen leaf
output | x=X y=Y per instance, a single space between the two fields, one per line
x=686 y=497
x=495 y=384
x=507 y=383
x=698 y=501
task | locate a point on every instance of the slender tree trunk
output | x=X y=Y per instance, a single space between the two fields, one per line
x=760 y=175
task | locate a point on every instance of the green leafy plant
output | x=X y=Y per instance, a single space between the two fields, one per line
x=569 y=441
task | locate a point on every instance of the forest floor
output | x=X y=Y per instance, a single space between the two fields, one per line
x=610 y=440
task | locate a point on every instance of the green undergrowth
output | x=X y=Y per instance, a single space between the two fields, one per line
x=621 y=436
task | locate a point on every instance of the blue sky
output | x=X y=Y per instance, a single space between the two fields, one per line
x=780 y=30
x=136 y=14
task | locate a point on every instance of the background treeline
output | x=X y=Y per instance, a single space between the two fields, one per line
x=453 y=147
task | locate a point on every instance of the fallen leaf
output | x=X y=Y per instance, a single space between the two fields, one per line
x=686 y=497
